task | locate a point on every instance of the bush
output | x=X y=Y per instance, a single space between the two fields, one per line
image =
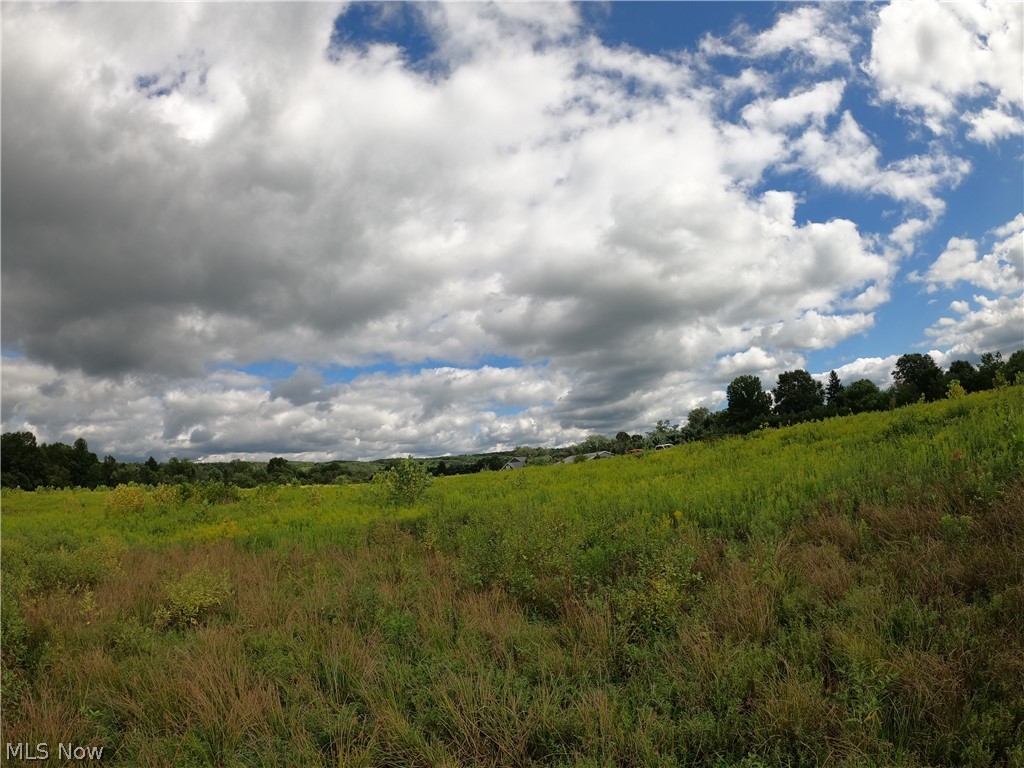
x=191 y=599
x=402 y=485
x=166 y=497
x=210 y=492
x=127 y=500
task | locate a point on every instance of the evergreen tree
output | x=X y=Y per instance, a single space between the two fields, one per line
x=833 y=390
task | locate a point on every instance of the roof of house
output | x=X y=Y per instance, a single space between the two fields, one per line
x=587 y=457
x=516 y=462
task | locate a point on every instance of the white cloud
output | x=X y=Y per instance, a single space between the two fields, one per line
x=757 y=361
x=847 y=158
x=1001 y=271
x=230 y=414
x=813 y=104
x=928 y=57
x=990 y=125
x=875 y=369
x=995 y=325
x=812 y=32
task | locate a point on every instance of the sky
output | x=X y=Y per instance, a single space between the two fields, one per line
x=328 y=231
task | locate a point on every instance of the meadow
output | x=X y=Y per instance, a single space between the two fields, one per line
x=839 y=593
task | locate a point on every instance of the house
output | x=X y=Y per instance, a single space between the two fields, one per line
x=587 y=457
x=517 y=462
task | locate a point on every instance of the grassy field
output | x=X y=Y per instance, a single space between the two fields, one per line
x=845 y=593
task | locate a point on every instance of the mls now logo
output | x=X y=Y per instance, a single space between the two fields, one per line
x=41 y=751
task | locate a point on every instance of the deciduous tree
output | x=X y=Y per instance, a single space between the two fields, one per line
x=796 y=392
x=917 y=375
x=749 y=404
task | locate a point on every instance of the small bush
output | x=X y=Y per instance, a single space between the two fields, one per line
x=402 y=485
x=191 y=599
x=210 y=492
x=166 y=497
x=127 y=500
x=956 y=528
x=129 y=637
x=955 y=390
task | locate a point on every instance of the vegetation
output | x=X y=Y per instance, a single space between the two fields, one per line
x=844 y=592
x=796 y=398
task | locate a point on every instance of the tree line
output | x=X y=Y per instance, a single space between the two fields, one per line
x=796 y=397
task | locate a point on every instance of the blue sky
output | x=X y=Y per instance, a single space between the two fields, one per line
x=328 y=231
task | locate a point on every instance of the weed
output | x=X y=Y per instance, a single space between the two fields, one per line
x=127 y=500
x=192 y=599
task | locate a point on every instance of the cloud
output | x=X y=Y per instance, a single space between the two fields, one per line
x=814 y=37
x=930 y=58
x=252 y=186
x=810 y=32
x=428 y=412
x=813 y=105
x=847 y=158
x=875 y=369
x=1001 y=271
x=994 y=325
x=990 y=125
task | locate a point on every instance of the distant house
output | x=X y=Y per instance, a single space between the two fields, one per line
x=588 y=457
x=517 y=462
x=663 y=447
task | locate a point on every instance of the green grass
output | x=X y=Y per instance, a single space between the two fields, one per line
x=842 y=593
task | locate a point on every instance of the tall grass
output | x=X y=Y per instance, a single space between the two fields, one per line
x=844 y=593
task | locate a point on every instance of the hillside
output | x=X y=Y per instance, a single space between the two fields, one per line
x=847 y=592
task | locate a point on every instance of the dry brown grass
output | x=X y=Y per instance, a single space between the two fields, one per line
x=741 y=604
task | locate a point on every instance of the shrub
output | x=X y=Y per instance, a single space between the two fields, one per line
x=166 y=497
x=127 y=500
x=402 y=485
x=191 y=599
x=210 y=492
x=955 y=390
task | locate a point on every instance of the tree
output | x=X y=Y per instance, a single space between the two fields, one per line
x=180 y=470
x=917 y=376
x=622 y=442
x=965 y=373
x=833 y=390
x=85 y=467
x=699 y=419
x=21 y=462
x=279 y=471
x=749 y=404
x=863 y=395
x=1014 y=366
x=796 y=392
x=59 y=460
x=989 y=368
x=664 y=432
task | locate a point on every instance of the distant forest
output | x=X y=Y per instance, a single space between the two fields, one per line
x=796 y=397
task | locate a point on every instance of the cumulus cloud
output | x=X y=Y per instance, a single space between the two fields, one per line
x=810 y=32
x=930 y=58
x=813 y=37
x=993 y=324
x=877 y=370
x=1001 y=271
x=427 y=412
x=848 y=159
x=255 y=183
